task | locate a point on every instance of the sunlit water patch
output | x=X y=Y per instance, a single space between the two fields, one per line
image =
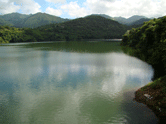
x=59 y=86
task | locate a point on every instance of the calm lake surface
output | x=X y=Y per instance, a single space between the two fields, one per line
x=71 y=83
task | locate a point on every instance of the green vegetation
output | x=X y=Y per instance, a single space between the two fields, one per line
x=10 y=34
x=3 y=22
x=90 y=27
x=13 y=19
x=140 y=21
x=158 y=83
x=149 y=44
x=29 y=21
x=40 y=19
x=131 y=20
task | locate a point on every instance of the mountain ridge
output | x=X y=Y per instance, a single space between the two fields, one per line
x=39 y=19
x=32 y=20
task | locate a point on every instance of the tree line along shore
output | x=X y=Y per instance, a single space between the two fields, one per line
x=149 y=44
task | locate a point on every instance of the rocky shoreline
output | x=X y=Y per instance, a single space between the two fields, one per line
x=154 y=99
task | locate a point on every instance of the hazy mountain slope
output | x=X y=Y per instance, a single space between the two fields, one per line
x=3 y=22
x=121 y=20
x=140 y=21
x=91 y=27
x=30 y=21
x=40 y=19
x=131 y=20
x=14 y=18
x=102 y=15
x=134 y=18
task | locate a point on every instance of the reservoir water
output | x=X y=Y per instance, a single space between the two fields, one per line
x=71 y=83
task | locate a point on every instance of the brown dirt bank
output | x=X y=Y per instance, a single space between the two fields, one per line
x=154 y=98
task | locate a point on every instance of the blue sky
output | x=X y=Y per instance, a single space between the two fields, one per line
x=80 y=8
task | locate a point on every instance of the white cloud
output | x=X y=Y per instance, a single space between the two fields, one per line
x=127 y=8
x=51 y=11
x=29 y=6
x=7 y=7
x=26 y=6
x=56 y=1
x=124 y=8
x=74 y=10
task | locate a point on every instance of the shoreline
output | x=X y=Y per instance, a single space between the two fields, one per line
x=154 y=98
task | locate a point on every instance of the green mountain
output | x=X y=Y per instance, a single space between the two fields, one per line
x=121 y=20
x=102 y=15
x=129 y=21
x=149 y=41
x=140 y=21
x=40 y=19
x=134 y=20
x=89 y=27
x=3 y=22
x=149 y=44
x=31 y=21
x=14 y=18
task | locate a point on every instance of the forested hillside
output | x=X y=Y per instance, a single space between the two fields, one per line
x=140 y=21
x=3 y=22
x=29 y=21
x=90 y=27
x=40 y=19
x=149 y=43
x=131 y=20
x=14 y=19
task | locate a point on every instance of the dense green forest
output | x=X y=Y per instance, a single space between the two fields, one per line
x=90 y=27
x=149 y=44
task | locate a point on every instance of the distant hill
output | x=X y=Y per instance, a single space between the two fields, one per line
x=3 y=22
x=80 y=29
x=131 y=20
x=121 y=20
x=40 y=19
x=134 y=18
x=102 y=15
x=14 y=18
x=89 y=27
x=31 y=21
x=140 y=21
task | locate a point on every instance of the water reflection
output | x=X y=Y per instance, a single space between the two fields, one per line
x=39 y=86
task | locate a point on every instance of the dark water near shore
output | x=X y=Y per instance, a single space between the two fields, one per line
x=71 y=83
